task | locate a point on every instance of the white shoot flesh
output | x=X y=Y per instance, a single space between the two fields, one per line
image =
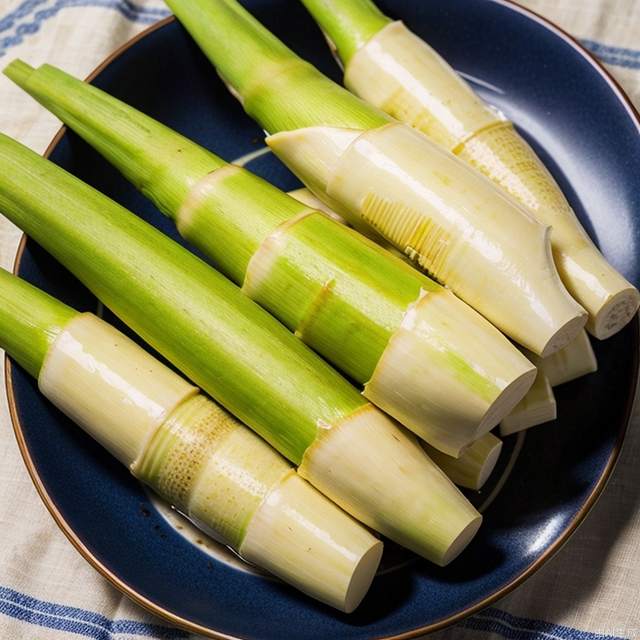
x=229 y=481
x=577 y=359
x=431 y=516
x=401 y=74
x=432 y=358
x=473 y=468
x=447 y=218
x=537 y=407
x=337 y=559
x=107 y=384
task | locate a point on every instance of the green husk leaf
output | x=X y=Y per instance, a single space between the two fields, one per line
x=229 y=213
x=191 y=314
x=276 y=87
x=144 y=150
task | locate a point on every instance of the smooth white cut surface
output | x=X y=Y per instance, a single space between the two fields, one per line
x=577 y=359
x=110 y=386
x=475 y=464
x=537 y=407
x=377 y=471
x=447 y=374
x=401 y=74
x=301 y=536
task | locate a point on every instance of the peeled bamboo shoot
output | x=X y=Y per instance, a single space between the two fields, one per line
x=537 y=407
x=188 y=449
x=577 y=359
x=474 y=466
x=382 y=175
x=236 y=352
x=423 y=356
x=395 y=70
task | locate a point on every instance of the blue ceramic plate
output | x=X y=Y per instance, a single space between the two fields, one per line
x=587 y=133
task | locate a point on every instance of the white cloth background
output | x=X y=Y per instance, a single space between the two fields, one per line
x=590 y=590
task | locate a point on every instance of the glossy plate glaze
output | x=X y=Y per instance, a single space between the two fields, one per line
x=587 y=133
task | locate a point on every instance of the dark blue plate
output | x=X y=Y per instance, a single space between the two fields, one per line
x=587 y=133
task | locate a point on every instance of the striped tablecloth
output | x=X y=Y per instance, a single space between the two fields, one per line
x=589 y=591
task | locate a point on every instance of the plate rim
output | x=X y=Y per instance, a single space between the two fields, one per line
x=194 y=627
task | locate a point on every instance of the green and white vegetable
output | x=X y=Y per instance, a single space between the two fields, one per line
x=577 y=359
x=537 y=407
x=306 y=197
x=474 y=466
x=240 y=355
x=385 y=176
x=395 y=70
x=188 y=449
x=422 y=355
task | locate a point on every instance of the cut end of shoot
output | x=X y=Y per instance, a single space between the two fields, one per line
x=577 y=359
x=381 y=475
x=296 y=526
x=447 y=374
x=537 y=407
x=615 y=314
x=565 y=334
x=474 y=466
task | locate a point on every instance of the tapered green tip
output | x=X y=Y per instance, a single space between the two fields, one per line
x=18 y=71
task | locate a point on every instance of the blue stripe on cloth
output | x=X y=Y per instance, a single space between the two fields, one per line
x=128 y=9
x=512 y=627
x=616 y=56
x=78 y=621
x=23 y=10
x=606 y=48
x=98 y=627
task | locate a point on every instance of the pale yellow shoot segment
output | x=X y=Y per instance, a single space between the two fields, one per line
x=229 y=481
x=501 y=154
x=447 y=219
x=537 y=407
x=445 y=373
x=108 y=385
x=321 y=153
x=440 y=328
x=402 y=75
x=474 y=466
x=577 y=359
x=214 y=471
x=431 y=517
x=237 y=489
x=338 y=557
